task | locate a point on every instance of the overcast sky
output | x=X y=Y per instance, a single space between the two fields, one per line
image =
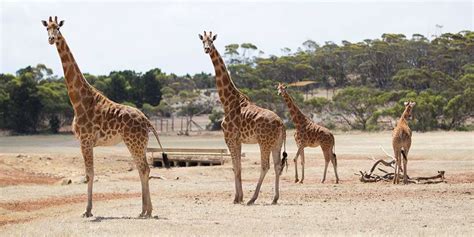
x=118 y=35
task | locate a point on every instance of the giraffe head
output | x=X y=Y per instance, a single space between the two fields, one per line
x=53 y=28
x=407 y=114
x=207 y=41
x=281 y=88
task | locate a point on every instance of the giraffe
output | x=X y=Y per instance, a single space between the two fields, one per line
x=99 y=121
x=309 y=134
x=246 y=123
x=401 y=142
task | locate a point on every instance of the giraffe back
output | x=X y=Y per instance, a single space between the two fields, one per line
x=401 y=135
x=259 y=125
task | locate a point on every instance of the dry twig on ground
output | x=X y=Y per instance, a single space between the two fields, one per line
x=372 y=177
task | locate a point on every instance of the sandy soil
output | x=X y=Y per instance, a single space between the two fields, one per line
x=36 y=197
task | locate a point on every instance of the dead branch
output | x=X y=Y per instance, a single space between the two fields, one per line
x=393 y=158
x=389 y=164
x=372 y=177
x=440 y=176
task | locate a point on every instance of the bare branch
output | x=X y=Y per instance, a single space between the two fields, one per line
x=381 y=147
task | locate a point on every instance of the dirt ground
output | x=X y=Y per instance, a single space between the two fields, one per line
x=36 y=199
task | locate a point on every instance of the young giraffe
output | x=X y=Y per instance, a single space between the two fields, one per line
x=401 y=142
x=99 y=121
x=246 y=123
x=309 y=134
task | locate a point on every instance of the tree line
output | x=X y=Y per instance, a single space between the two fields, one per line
x=365 y=82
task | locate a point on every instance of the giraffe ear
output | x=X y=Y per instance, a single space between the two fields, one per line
x=413 y=103
x=406 y=103
x=214 y=37
x=200 y=37
x=61 y=23
x=44 y=23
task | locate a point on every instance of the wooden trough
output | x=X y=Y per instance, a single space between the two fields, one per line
x=186 y=157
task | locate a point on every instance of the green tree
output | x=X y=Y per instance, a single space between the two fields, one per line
x=357 y=105
x=25 y=104
x=118 y=87
x=215 y=117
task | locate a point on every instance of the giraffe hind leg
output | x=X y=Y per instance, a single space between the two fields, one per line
x=278 y=166
x=302 y=166
x=405 y=161
x=396 y=152
x=137 y=150
x=327 y=158
x=265 y=166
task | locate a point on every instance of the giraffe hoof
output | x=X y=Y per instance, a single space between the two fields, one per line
x=144 y=215
x=301 y=181
x=87 y=214
x=322 y=180
x=250 y=203
x=296 y=180
x=275 y=202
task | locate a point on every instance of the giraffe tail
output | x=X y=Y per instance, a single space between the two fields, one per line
x=284 y=159
x=334 y=150
x=403 y=154
x=166 y=161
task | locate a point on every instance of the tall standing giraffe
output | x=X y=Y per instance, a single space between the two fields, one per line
x=401 y=142
x=99 y=121
x=309 y=134
x=246 y=123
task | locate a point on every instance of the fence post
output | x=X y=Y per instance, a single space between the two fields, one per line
x=161 y=124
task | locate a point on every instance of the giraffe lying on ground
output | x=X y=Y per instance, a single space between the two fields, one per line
x=401 y=142
x=246 y=123
x=99 y=121
x=309 y=134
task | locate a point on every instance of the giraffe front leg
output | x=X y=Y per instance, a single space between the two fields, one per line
x=302 y=165
x=87 y=153
x=235 y=151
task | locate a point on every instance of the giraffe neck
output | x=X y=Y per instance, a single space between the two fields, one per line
x=229 y=95
x=402 y=121
x=77 y=85
x=404 y=115
x=298 y=118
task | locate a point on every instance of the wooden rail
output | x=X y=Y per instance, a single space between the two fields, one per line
x=185 y=157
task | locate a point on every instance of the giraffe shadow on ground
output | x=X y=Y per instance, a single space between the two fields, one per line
x=106 y=218
x=273 y=205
